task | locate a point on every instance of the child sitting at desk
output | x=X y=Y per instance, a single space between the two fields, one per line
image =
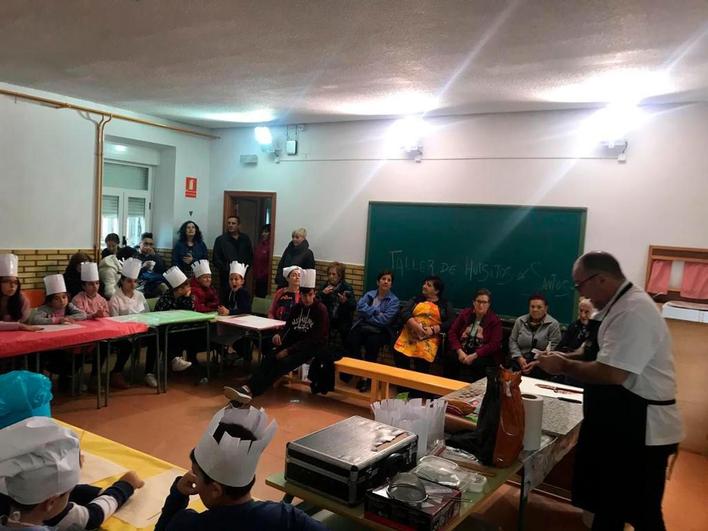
x=89 y=300
x=179 y=297
x=206 y=299
x=304 y=337
x=40 y=462
x=14 y=306
x=223 y=473
x=239 y=303
x=127 y=300
x=56 y=309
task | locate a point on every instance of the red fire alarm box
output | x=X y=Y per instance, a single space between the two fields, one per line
x=190 y=187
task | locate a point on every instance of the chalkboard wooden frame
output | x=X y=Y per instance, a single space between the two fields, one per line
x=566 y=314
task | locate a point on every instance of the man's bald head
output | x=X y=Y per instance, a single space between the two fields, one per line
x=600 y=262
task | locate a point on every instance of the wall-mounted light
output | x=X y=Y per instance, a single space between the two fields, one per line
x=407 y=134
x=263 y=136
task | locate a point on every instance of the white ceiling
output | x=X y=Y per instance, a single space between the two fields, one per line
x=332 y=60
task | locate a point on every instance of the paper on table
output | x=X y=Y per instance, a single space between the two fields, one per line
x=96 y=468
x=252 y=321
x=58 y=327
x=144 y=507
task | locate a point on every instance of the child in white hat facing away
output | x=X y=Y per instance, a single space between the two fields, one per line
x=128 y=300
x=223 y=473
x=14 y=306
x=56 y=309
x=39 y=473
x=89 y=300
x=179 y=297
x=303 y=337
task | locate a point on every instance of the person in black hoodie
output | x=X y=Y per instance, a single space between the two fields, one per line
x=297 y=253
x=303 y=337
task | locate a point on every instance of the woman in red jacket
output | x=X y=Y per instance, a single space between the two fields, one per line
x=474 y=341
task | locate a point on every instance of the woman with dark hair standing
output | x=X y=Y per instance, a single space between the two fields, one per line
x=72 y=274
x=189 y=248
x=423 y=318
x=14 y=306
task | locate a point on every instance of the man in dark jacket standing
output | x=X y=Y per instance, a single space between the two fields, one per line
x=229 y=247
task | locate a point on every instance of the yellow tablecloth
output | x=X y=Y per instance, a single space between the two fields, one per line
x=145 y=465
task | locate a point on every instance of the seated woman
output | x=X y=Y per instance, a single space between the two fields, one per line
x=109 y=270
x=375 y=313
x=285 y=298
x=474 y=341
x=338 y=297
x=297 y=253
x=423 y=318
x=127 y=300
x=14 y=306
x=535 y=330
x=189 y=248
x=303 y=337
x=112 y=244
x=579 y=331
x=72 y=274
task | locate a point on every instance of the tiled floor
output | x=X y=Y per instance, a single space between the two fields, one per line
x=169 y=425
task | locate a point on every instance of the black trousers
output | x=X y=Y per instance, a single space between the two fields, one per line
x=123 y=349
x=261 y=288
x=371 y=338
x=452 y=368
x=648 y=515
x=404 y=362
x=272 y=368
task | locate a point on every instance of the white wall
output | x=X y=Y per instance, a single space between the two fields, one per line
x=47 y=173
x=659 y=196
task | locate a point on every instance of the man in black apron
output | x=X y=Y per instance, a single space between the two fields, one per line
x=631 y=424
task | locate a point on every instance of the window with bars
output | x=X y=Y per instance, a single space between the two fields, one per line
x=126 y=202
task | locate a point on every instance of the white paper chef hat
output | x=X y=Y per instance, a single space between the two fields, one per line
x=238 y=267
x=131 y=268
x=8 y=265
x=232 y=461
x=38 y=459
x=308 y=277
x=175 y=276
x=89 y=272
x=288 y=270
x=54 y=284
x=201 y=267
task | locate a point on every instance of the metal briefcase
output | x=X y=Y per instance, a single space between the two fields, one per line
x=345 y=459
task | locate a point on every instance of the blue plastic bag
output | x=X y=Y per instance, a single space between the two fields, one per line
x=24 y=394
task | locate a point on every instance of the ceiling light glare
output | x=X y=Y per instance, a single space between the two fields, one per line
x=396 y=104
x=248 y=117
x=263 y=136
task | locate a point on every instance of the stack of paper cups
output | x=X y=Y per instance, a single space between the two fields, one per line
x=533 y=421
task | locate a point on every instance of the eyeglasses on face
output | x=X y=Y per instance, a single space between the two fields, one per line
x=579 y=285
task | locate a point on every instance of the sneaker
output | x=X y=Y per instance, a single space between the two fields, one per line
x=179 y=364
x=239 y=397
x=150 y=380
x=117 y=381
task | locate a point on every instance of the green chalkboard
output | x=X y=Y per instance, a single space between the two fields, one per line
x=514 y=251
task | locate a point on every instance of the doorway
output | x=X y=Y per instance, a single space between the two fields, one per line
x=254 y=210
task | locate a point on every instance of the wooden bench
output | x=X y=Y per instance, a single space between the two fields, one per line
x=382 y=376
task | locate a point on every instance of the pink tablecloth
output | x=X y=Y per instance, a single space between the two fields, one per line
x=19 y=343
